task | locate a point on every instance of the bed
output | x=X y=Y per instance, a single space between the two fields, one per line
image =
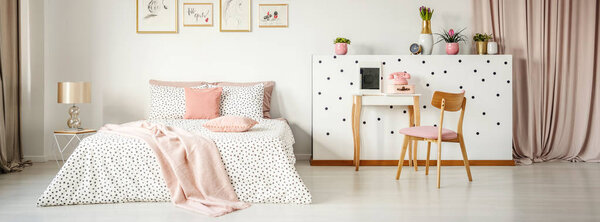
x=110 y=168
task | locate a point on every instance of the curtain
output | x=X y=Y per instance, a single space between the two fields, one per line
x=10 y=148
x=556 y=87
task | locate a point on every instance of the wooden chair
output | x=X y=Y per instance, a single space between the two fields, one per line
x=451 y=102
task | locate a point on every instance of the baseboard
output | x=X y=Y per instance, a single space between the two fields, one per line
x=419 y=162
x=35 y=159
x=303 y=156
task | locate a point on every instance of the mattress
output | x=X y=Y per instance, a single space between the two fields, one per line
x=111 y=168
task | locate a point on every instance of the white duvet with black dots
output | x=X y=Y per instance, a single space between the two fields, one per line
x=110 y=168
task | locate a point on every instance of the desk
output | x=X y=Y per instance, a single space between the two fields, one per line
x=410 y=100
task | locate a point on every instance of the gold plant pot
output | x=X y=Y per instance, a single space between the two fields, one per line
x=426 y=27
x=481 y=47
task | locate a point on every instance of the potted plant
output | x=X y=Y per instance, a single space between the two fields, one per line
x=341 y=45
x=426 y=38
x=452 y=39
x=481 y=40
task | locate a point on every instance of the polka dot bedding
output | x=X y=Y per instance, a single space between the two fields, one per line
x=111 y=168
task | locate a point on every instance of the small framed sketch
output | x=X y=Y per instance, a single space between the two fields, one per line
x=273 y=15
x=197 y=14
x=235 y=15
x=156 y=16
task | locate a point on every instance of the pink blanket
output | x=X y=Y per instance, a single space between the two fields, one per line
x=191 y=165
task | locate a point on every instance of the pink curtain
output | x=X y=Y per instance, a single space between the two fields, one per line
x=10 y=147
x=555 y=47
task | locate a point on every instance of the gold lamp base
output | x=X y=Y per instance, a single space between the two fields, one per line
x=74 y=122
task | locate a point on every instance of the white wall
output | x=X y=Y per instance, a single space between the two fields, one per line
x=96 y=41
x=32 y=79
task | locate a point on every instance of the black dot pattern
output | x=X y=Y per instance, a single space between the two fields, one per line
x=111 y=168
x=483 y=78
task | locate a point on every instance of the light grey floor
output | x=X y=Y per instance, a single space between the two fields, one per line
x=542 y=192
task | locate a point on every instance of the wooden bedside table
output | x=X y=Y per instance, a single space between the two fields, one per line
x=71 y=135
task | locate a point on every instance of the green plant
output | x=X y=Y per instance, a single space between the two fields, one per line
x=479 y=37
x=452 y=37
x=341 y=40
x=426 y=13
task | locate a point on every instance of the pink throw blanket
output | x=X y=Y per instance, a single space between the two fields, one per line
x=191 y=165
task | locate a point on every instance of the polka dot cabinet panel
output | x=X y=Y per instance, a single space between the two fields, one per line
x=486 y=79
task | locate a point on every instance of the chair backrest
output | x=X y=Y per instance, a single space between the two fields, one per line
x=453 y=101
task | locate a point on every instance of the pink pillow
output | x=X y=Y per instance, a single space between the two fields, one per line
x=202 y=103
x=230 y=124
x=268 y=90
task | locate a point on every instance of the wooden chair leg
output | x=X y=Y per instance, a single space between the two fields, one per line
x=410 y=163
x=414 y=147
x=401 y=161
x=465 y=159
x=439 y=163
x=427 y=160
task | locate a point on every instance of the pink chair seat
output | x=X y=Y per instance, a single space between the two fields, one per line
x=429 y=132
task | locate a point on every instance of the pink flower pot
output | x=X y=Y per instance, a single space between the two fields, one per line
x=452 y=48
x=341 y=48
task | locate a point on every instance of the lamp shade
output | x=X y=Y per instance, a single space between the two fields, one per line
x=74 y=92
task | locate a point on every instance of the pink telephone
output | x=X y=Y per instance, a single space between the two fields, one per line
x=399 y=78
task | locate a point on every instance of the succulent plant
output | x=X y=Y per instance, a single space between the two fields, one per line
x=482 y=37
x=341 y=40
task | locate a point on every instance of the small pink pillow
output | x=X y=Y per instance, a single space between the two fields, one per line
x=202 y=103
x=230 y=124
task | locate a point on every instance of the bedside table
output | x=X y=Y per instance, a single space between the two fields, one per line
x=71 y=135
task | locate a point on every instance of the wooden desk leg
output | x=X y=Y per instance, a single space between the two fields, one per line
x=417 y=122
x=356 y=127
x=353 y=133
x=411 y=123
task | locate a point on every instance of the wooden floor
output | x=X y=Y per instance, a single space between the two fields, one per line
x=542 y=192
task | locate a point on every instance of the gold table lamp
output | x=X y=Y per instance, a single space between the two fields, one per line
x=74 y=93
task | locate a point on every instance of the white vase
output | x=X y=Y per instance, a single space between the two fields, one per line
x=492 y=48
x=426 y=42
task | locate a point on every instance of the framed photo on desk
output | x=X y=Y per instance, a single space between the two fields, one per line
x=371 y=78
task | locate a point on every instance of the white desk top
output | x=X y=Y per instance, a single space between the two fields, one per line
x=388 y=94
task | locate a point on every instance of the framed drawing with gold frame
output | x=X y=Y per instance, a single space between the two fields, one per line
x=273 y=15
x=157 y=16
x=234 y=15
x=198 y=14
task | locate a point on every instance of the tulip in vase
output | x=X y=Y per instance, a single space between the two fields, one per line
x=426 y=38
x=452 y=39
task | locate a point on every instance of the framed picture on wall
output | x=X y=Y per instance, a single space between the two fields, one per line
x=156 y=16
x=197 y=14
x=273 y=15
x=235 y=15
